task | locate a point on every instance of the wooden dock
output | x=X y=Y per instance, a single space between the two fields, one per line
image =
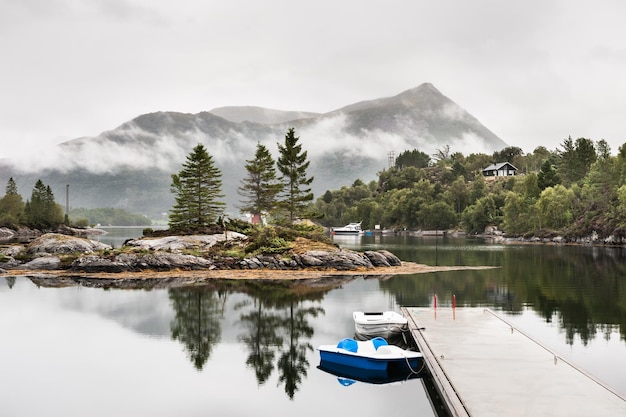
x=483 y=366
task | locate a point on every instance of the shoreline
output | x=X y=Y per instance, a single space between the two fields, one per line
x=407 y=268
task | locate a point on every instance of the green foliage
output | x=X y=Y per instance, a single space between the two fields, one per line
x=480 y=215
x=576 y=159
x=555 y=207
x=260 y=188
x=11 y=207
x=41 y=210
x=438 y=215
x=293 y=164
x=197 y=189
x=412 y=158
x=547 y=176
x=279 y=239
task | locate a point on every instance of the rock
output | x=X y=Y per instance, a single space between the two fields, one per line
x=163 y=261
x=377 y=258
x=392 y=259
x=307 y=260
x=93 y=263
x=340 y=260
x=57 y=243
x=43 y=262
x=167 y=261
x=12 y=250
x=179 y=243
x=6 y=233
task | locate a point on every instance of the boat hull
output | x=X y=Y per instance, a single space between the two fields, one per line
x=348 y=375
x=374 y=356
x=349 y=229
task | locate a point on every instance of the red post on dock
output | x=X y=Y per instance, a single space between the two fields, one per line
x=435 y=300
x=453 y=301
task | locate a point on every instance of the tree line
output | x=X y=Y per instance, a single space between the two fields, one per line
x=576 y=190
x=39 y=212
x=266 y=194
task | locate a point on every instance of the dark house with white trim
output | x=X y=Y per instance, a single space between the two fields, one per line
x=501 y=169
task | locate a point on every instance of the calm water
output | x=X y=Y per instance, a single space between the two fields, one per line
x=239 y=350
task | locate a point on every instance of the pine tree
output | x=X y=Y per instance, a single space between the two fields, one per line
x=42 y=211
x=198 y=188
x=11 y=206
x=260 y=188
x=11 y=188
x=293 y=164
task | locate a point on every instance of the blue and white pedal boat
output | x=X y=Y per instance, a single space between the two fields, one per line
x=374 y=355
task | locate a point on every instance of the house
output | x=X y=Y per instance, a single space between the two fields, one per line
x=501 y=169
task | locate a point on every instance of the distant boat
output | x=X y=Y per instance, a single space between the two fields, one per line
x=349 y=229
x=384 y=324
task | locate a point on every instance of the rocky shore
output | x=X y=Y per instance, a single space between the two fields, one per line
x=190 y=258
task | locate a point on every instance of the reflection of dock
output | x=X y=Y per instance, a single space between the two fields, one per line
x=483 y=366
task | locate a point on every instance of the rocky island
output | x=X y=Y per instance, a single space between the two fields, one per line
x=192 y=259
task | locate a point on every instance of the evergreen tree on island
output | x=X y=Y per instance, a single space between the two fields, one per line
x=260 y=188
x=11 y=206
x=292 y=164
x=197 y=188
x=42 y=212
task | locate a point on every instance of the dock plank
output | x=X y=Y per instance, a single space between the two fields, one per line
x=484 y=366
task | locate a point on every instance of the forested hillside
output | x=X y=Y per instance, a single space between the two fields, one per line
x=575 y=191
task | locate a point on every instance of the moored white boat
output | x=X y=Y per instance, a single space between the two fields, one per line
x=349 y=229
x=384 y=323
x=375 y=356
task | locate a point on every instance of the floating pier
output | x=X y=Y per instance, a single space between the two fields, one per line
x=483 y=366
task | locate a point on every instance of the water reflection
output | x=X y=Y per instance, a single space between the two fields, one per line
x=276 y=323
x=197 y=321
x=257 y=340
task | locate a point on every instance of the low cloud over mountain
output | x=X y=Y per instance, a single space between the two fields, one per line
x=130 y=166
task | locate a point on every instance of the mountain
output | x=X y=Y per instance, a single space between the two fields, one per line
x=130 y=166
x=260 y=115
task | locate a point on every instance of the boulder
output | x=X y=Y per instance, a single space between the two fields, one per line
x=43 y=262
x=56 y=243
x=179 y=243
x=163 y=261
x=341 y=260
x=376 y=258
x=392 y=259
x=93 y=263
x=6 y=233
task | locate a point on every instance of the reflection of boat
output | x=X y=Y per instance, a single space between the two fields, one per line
x=349 y=229
x=373 y=356
x=347 y=375
x=384 y=324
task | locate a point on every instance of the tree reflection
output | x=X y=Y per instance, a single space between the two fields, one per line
x=263 y=339
x=582 y=289
x=196 y=323
x=278 y=324
x=293 y=364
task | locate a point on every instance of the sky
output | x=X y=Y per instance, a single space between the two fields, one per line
x=533 y=72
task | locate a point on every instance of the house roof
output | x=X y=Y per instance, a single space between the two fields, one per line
x=498 y=166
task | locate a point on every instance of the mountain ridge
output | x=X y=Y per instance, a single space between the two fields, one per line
x=130 y=166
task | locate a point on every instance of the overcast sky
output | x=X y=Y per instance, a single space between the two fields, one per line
x=533 y=72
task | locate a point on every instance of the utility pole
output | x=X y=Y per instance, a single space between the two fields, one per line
x=391 y=159
x=67 y=199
